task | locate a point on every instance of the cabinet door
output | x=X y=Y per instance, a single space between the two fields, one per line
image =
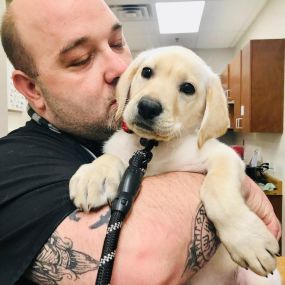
x=267 y=85
x=225 y=79
x=235 y=89
x=245 y=100
x=262 y=88
x=225 y=83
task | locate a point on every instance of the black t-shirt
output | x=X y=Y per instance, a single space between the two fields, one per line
x=36 y=164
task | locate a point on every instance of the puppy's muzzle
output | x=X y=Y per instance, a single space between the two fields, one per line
x=149 y=108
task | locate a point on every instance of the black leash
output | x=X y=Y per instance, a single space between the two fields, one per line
x=127 y=192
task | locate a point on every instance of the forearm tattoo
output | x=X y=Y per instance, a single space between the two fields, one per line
x=204 y=242
x=58 y=260
x=103 y=220
x=73 y=216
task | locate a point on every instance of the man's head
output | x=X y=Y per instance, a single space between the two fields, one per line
x=68 y=56
x=14 y=48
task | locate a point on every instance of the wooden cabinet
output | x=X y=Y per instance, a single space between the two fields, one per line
x=235 y=90
x=225 y=79
x=256 y=87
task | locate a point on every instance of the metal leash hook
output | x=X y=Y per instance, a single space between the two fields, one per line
x=121 y=205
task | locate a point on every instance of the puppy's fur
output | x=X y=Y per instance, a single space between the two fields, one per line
x=171 y=95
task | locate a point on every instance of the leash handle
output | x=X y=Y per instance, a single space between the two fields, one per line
x=131 y=181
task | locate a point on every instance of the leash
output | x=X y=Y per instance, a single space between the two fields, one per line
x=121 y=205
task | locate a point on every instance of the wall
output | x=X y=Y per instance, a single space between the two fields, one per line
x=9 y=120
x=16 y=119
x=3 y=84
x=216 y=58
x=269 y=24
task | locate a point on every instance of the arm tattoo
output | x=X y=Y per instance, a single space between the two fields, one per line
x=73 y=216
x=58 y=260
x=103 y=220
x=204 y=242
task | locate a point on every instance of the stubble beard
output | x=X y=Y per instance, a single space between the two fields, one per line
x=78 y=125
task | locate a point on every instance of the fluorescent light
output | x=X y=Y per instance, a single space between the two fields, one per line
x=179 y=17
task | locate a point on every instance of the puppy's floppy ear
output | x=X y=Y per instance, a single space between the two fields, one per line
x=216 y=118
x=125 y=81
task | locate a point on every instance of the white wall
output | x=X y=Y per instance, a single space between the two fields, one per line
x=16 y=119
x=217 y=59
x=3 y=84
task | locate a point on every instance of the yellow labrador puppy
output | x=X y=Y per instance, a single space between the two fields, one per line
x=170 y=95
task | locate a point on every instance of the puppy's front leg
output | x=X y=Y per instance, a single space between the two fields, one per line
x=243 y=234
x=96 y=183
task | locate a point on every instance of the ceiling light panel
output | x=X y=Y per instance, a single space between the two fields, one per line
x=179 y=17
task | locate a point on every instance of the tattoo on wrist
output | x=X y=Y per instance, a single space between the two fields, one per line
x=204 y=242
x=58 y=260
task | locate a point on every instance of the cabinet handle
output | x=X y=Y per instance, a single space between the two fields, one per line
x=238 y=123
x=227 y=92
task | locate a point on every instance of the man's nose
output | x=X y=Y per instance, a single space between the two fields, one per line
x=116 y=64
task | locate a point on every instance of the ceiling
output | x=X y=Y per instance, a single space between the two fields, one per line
x=223 y=23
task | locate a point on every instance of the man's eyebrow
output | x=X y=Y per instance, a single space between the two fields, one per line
x=73 y=44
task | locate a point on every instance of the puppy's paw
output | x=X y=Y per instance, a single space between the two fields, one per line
x=96 y=183
x=250 y=244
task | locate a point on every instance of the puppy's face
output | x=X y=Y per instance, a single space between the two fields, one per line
x=163 y=94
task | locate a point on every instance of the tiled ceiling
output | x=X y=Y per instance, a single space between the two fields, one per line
x=222 y=25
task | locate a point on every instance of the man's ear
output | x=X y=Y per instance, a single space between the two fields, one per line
x=216 y=117
x=29 y=89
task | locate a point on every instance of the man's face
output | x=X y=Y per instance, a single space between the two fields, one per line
x=80 y=51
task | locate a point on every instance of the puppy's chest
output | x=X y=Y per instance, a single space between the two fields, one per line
x=176 y=155
x=169 y=157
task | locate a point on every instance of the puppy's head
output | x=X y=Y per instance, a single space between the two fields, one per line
x=170 y=92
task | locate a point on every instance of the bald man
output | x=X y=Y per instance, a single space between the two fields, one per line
x=68 y=56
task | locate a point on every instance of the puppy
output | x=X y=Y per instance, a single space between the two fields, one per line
x=170 y=95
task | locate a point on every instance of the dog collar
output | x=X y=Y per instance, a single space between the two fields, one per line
x=126 y=128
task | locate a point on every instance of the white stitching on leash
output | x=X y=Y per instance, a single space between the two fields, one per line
x=107 y=258
x=114 y=227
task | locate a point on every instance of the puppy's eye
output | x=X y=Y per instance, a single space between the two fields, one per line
x=187 y=88
x=147 y=72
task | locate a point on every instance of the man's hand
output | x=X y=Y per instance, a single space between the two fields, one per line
x=259 y=203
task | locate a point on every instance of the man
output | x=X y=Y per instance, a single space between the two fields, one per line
x=68 y=56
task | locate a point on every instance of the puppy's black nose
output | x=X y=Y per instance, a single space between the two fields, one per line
x=149 y=108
